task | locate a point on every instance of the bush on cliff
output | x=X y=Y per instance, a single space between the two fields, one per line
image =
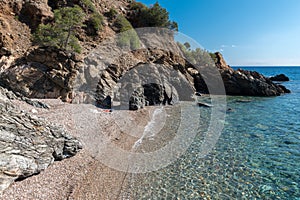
x=112 y=13
x=95 y=20
x=61 y=33
x=88 y=5
x=196 y=56
x=127 y=36
x=94 y=24
x=154 y=16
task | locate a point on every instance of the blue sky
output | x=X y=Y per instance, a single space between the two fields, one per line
x=247 y=32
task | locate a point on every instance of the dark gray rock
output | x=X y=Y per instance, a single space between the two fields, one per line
x=42 y=73
x=28 y=144
x=249 y=83
x=153 y=94
x=202 y=104
x=137 y=99
x=280 y=77
x=244 y=82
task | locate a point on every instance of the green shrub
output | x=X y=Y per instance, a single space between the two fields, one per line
x=87 y=4
x=17 y=17
x=61 y=34
x=97 y=21
x=155 y=16
x=112 y=13
x=45 y=35
x=196 y=56
x=127 y=36
x=213 y=57
x=122 y=24
x=137 y=6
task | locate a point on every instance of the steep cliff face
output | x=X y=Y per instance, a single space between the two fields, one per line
x=14 y=36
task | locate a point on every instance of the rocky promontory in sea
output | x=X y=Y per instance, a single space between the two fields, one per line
x=247 y=83
x=87 y=69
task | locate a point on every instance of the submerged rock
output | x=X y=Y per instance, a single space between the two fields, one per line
x=28 y=144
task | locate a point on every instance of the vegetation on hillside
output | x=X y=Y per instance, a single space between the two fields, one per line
x=112 y=13
x=154 y=16
x=196 y=56
x=95 y=20
x=127 y=36
x=61 y=33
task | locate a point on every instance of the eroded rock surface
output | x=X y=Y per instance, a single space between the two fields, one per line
x=247 y=83
x=28 y=144
x=43 y=73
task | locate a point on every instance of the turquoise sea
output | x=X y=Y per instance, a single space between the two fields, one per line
x=256 y=157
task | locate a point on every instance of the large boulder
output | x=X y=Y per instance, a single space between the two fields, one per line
x=35 y=12
x=28 y=144
x=153 y=94
x=250 y=83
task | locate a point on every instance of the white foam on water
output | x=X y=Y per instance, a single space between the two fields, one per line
x=156 y=123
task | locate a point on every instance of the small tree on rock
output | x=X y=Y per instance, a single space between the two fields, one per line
x=61 y=33
x=154 y=16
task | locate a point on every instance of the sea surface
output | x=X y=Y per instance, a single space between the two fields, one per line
x=257 y=155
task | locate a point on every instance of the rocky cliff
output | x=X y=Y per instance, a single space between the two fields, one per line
x=41 y=72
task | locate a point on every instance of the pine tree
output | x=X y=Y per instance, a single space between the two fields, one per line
x=61 y=33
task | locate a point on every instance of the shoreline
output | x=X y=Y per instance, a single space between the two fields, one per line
x=82 y=176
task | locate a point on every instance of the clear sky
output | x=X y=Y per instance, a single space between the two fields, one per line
x=247 y=32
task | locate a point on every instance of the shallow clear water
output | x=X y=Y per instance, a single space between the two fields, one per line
x=256 y=157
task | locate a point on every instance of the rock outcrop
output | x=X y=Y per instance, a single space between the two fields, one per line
x=128 y=69
x=280 y=78
x=147 y=77
x=35 y=12
x=50 y=73
x=28 y=145
x=43 y=73
x=247 y=83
